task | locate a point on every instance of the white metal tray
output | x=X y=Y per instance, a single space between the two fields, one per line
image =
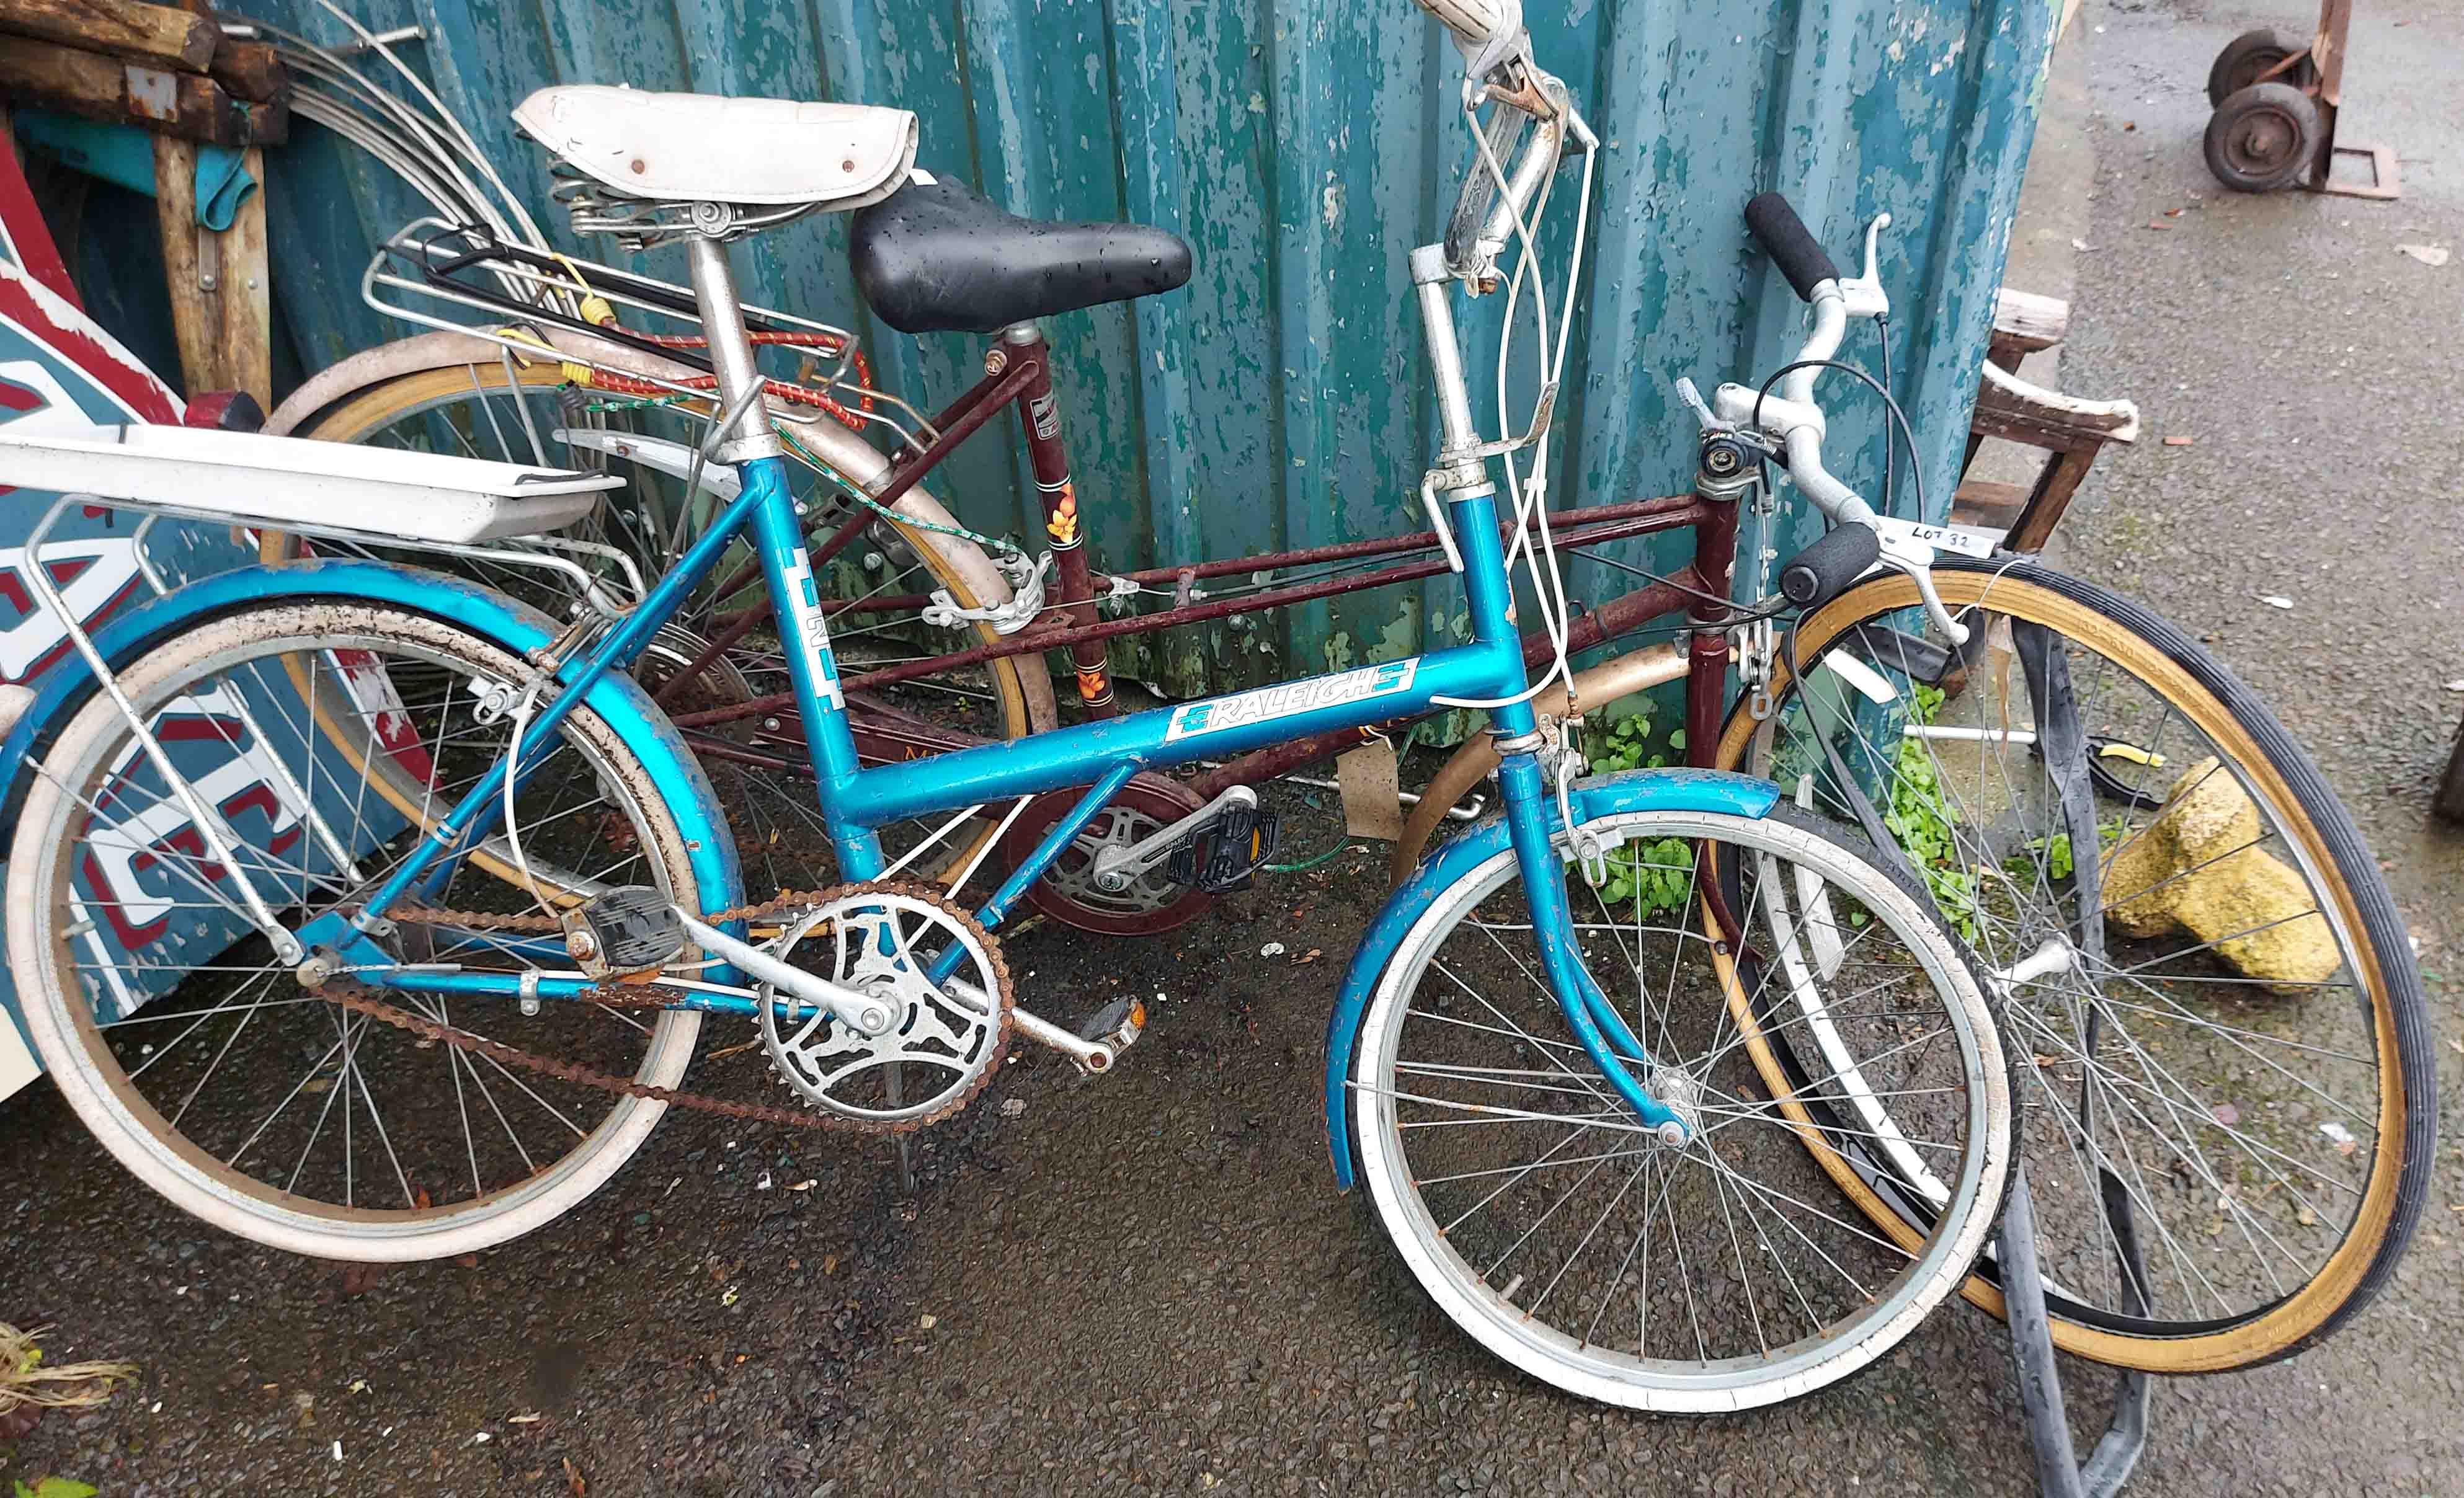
x=290 y=480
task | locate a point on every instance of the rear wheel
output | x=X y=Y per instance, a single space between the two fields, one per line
x=878 y=587
x=2236 y=1035
x=258 y=1104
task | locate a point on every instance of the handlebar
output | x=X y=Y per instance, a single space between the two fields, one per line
x=1839 y=557
x=1477 y=23
x=1792 y=246
x=1790 y=416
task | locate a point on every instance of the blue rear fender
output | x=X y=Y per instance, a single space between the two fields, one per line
x=617 y=700
x=1599 y=795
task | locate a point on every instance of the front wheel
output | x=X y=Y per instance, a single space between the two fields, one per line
x=1550 y=1224
x=2235 y=1042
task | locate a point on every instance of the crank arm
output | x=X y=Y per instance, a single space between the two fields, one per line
x=863 y=1011
x=1093 y=1057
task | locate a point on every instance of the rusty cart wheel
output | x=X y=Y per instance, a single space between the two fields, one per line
x=2250 y=57
x=2262 y=137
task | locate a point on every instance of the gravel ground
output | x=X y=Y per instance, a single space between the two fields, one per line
x=1146 y=1284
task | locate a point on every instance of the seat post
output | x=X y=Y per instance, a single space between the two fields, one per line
x=1050 y=461
x=731 y=352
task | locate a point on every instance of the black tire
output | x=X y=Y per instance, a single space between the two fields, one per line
x=2263 y=138
x=2249 y=55
x=2127 y=654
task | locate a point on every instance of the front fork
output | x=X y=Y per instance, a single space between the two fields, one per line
x=1605 y=1037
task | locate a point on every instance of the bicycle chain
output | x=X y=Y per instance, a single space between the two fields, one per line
x=361 y=999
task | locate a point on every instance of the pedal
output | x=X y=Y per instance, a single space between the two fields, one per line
x=1117 y=1025
x=626 y=931
x=1220 y=856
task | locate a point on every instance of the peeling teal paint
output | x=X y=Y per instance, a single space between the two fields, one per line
x=1303 y=146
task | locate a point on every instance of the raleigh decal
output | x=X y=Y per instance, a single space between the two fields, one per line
x=1245 y=708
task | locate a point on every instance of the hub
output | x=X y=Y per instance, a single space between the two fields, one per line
x=1678 y=1090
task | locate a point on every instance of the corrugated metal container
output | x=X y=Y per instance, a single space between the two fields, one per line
x=1303 y=146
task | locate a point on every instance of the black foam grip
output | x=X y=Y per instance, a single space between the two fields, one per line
x=1819 y=572
x=1790 y=246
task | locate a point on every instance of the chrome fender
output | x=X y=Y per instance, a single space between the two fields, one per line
x=1596 y=796
x=674 y=771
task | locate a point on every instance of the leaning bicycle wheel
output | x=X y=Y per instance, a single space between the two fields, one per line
x=700 y=662
x=2231 y=1038
x=1547 y=1221
x=262 y=1106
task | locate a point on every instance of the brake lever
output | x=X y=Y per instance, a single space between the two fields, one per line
x=1694 y=402
x=1862 y=296
x=1907 y=554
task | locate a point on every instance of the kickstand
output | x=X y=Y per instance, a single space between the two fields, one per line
x=893 y=1088
x=2059 y=1473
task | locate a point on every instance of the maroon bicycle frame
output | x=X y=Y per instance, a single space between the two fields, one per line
x=1018 y=372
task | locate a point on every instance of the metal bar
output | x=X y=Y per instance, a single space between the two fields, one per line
x=1006 y=390
x=1050 y=460
x=1163 y=738
x=908 y=452
x=1670 y=512
x=1057 y=837
x=1706 y=675
x=1036 y=640
x=1596 y=626
x=210 y=826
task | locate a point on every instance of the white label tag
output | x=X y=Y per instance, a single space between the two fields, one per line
x=1966 y=541
x=1243 y=708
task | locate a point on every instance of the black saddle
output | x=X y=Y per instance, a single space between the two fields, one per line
x=933 y=258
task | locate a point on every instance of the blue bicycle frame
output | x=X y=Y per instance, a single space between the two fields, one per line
x=1102 y=755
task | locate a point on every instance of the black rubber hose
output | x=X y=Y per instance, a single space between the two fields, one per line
x=1792 y=246
x=1817 y=574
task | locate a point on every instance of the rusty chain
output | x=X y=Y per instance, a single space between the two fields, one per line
x=363 y=1000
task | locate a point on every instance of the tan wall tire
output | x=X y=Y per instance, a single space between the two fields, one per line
x=2278 y=775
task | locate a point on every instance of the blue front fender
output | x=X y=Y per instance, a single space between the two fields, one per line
x=615 y=698
x=1627 y=790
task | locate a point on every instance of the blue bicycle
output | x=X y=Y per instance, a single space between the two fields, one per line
x=487 y=898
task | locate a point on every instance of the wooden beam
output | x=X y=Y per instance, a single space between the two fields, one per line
x=97 y=87
x=220 y=306
x=249 y=70
x=1978 y=498
x=165 y=36
x=2029 y=320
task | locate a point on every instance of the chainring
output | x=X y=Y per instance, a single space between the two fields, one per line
x=946 y=1040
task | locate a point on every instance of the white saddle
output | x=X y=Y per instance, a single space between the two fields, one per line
x=701 y=148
